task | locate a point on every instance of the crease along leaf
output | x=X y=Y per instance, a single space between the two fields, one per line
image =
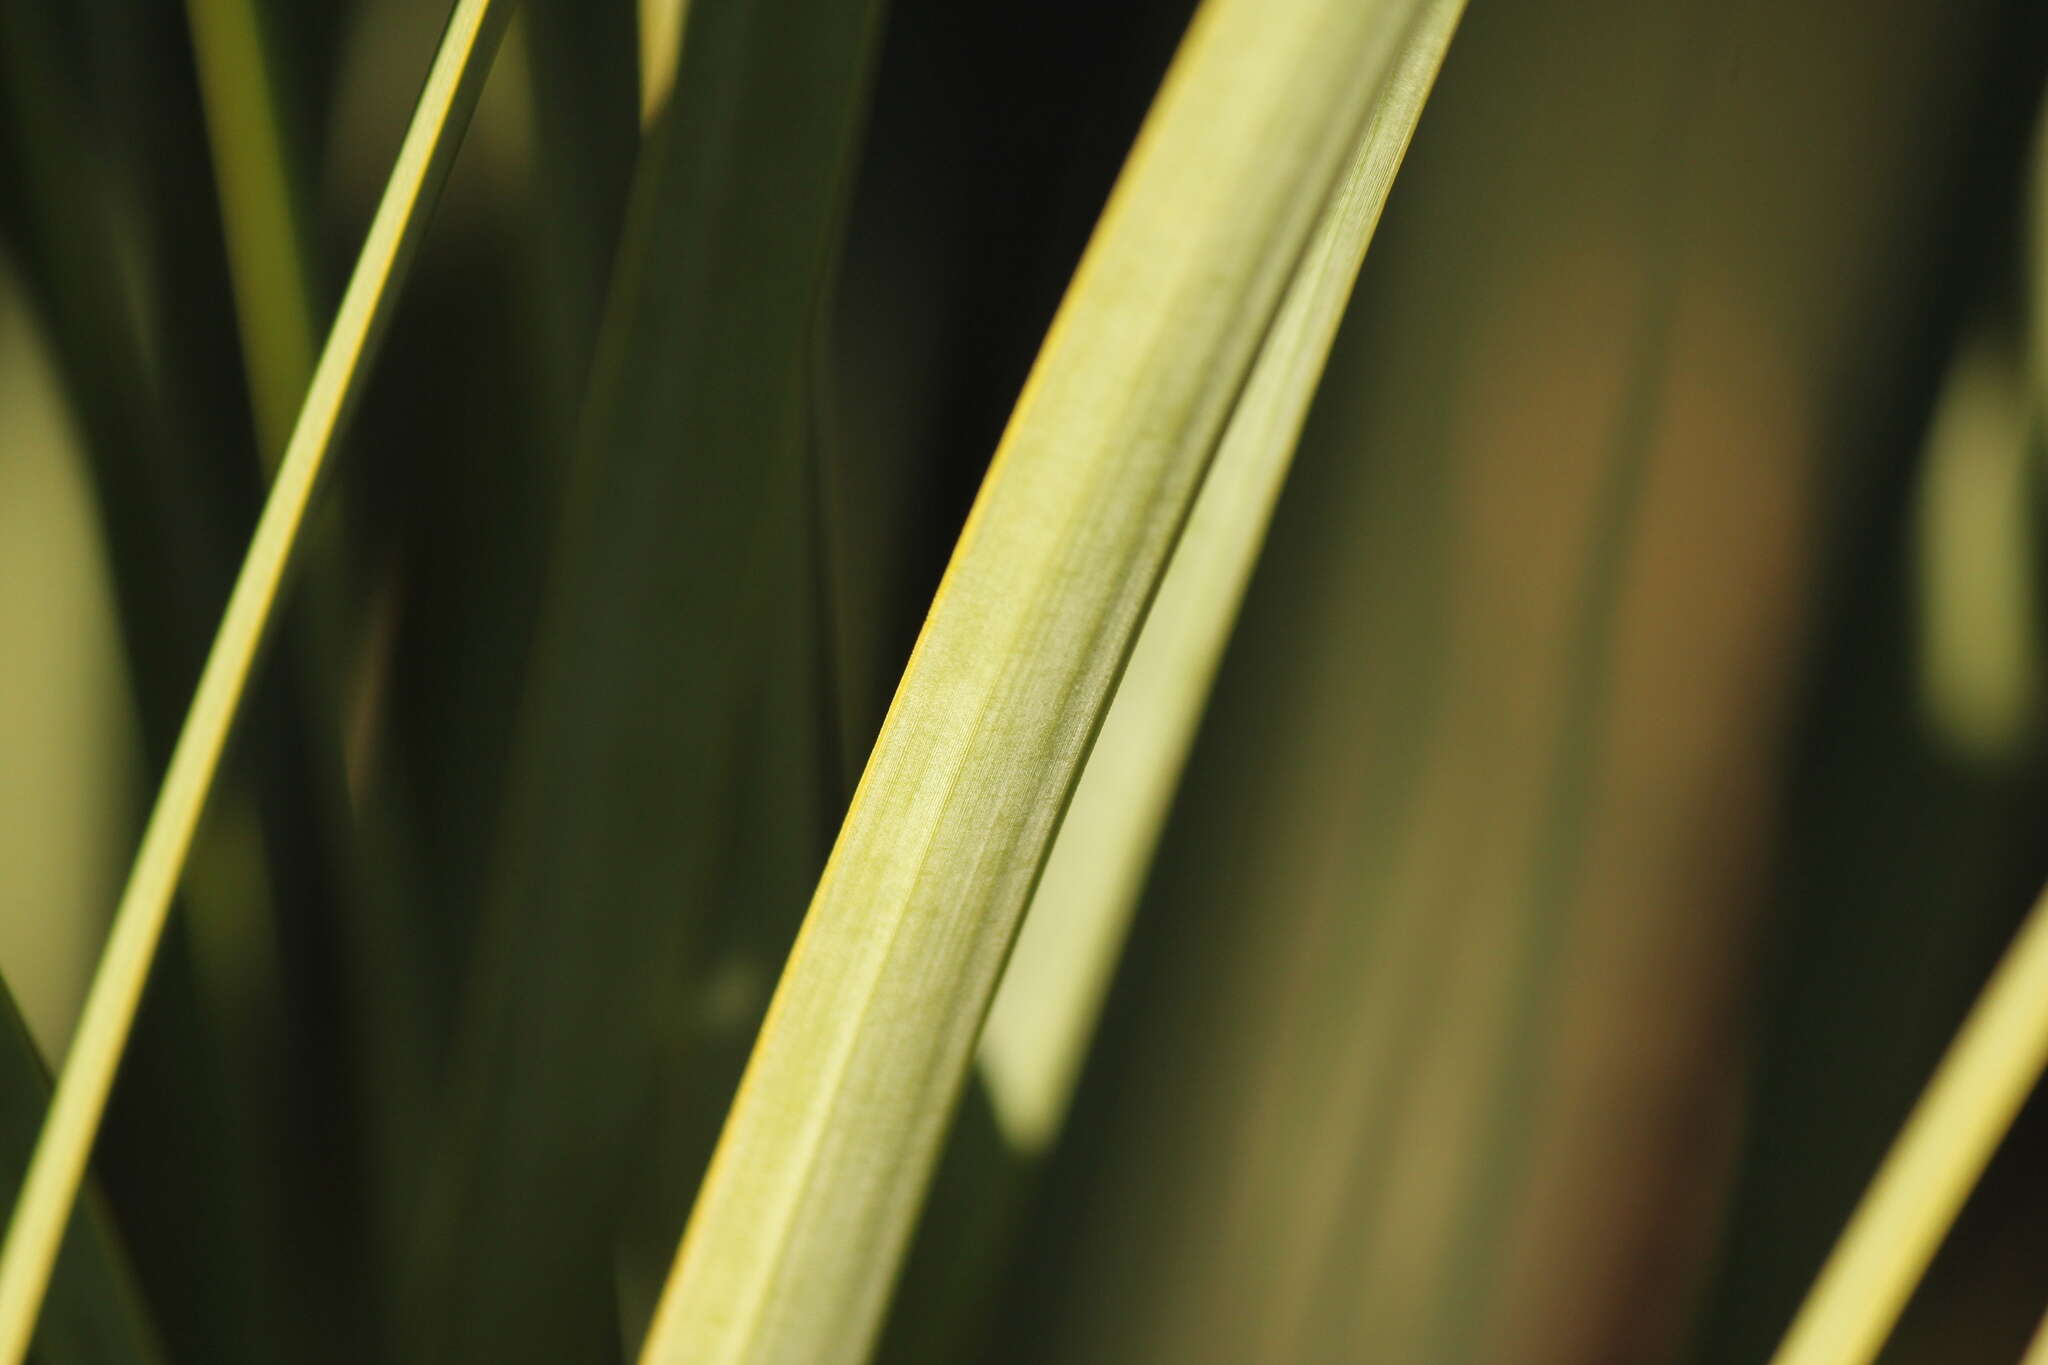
x=858 y=1067
x=58 y=1166
x=1059 y=973
x=1989 y=1070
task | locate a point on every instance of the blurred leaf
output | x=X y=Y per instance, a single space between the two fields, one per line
x=265 y=242
x=661 y=33
x=867 y=1043
x=74 y=208
x=580 y=60
x=671 y=789
x=53 y=1178
x=1976 y=512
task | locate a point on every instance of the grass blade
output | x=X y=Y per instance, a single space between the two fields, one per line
x=61 y=1154
x=1045 y=1010
x=866 y=1045
x=1964 y=1112
x=94 y=1315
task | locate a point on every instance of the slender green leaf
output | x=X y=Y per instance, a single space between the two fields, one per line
x=125 y=248
x=2037 y=1349
x=1052 y=991
x=61 y=1154
x=94 y=1315
x=1972 y=1099
x=866 y=1046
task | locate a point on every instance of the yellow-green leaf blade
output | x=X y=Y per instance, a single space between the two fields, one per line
x=58 y=1167
x=95 y=1316
x=2037 y=1349
x=1053 y=988
x=867 y=1042
x=1964 y=1112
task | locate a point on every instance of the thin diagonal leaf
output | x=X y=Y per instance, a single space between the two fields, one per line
x=105 y=109
x=1968 y=1105
x=1052 y=991
x=94 y=1315
x=59 y=1164
x=867 y=1043
x=2037 y=1349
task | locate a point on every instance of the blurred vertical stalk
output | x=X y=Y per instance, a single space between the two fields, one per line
x=265 y=241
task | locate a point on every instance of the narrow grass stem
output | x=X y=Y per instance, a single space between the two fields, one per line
x=58 y=1166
